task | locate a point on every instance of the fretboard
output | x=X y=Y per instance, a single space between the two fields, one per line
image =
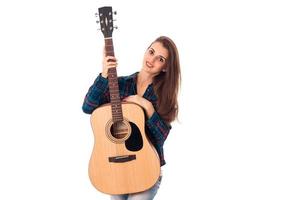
x=113 y=85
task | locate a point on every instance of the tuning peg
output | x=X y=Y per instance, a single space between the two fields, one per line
x=97 y=22
x=96 y=14
x=115 y=27
x=115 y=12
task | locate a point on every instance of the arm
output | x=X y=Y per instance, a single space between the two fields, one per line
x=158 y=128
x=97 y=95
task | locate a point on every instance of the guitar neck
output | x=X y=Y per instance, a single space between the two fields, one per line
x=113 y=85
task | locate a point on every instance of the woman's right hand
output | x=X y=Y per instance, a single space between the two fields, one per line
x=108 y=62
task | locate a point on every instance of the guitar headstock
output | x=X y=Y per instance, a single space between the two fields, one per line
x=106 y=20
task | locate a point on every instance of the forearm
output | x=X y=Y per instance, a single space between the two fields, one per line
x=149 y=109
x=144 y=103
x=158 y=129
x=96 y=95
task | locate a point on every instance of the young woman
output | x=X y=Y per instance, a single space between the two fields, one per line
x=154 y=88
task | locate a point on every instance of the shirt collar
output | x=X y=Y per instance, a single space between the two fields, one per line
x=149 y=93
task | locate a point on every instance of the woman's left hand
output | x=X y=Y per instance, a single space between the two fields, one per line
x=144 y=103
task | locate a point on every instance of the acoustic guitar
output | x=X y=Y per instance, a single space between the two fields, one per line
x=123 y=160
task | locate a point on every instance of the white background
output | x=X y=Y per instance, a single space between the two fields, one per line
x=238 y=135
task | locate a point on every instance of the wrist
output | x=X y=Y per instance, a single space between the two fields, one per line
x=104 y=75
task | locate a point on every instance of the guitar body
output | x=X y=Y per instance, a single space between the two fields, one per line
x=123 y=160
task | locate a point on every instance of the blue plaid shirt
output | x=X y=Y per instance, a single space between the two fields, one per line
x=156 y=128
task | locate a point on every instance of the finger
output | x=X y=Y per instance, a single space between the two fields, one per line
x=111 y=66
x=110 y=58
x=108 y=62
x=127 y=98
x=111 y=63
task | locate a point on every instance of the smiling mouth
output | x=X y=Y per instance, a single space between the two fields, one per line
x=148 y=64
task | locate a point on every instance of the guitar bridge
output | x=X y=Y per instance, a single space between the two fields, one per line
x=122 y=159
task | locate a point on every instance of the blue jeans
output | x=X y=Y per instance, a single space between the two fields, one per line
x=145 y=195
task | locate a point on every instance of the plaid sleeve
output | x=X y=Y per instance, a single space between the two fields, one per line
x=159 y=129
x=97 y=95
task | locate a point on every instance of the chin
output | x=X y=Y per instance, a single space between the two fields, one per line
x=147 y=69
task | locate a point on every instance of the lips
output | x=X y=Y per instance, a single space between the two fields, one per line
x=149 y=65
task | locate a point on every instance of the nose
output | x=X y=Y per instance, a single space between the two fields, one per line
x=153 y=59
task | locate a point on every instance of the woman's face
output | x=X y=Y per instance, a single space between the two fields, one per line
x=155 y=59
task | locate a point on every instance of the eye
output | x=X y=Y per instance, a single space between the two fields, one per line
x=162 y=60
x=151 y=52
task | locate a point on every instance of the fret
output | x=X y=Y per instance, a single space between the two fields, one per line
x=117 y=119
x=114 y=86
x=115 y=99
x=113 y=82
x=116 y=106
x=109 y=53
x=117 y=90
x=118 y=115
x=116 y=110
x=109 y=47
x=114 y=95
x=111 y=76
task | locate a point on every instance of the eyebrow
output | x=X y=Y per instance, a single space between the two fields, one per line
x=163 y=57
x=159 y=55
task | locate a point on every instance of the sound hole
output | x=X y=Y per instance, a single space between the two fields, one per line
x=119 y=130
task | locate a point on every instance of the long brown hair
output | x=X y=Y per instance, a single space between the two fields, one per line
x=166 y=84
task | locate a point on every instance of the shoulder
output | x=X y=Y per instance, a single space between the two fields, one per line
x=131 y=77
x=127 y=81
